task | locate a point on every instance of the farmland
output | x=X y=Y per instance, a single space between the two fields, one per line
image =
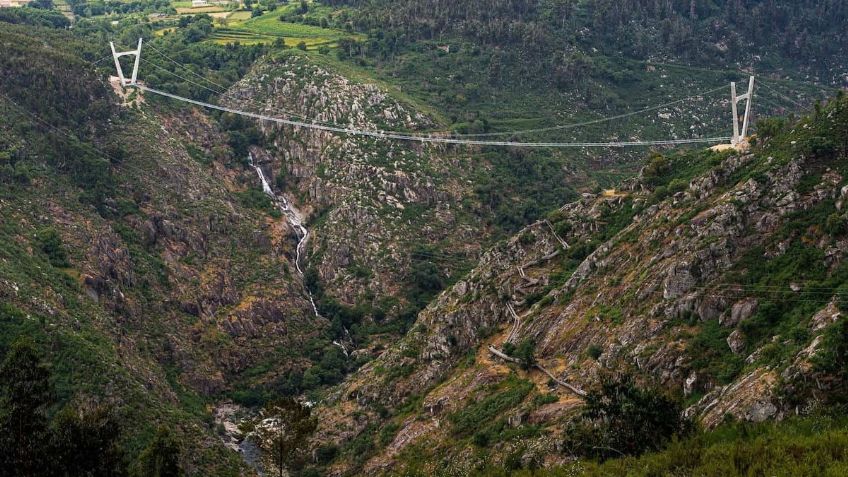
x=267 y=28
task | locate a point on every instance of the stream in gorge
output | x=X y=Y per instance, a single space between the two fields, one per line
x=295 y=220
x=228 y=415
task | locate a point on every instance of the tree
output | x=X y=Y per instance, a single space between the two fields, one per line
x=51 y=245
x=161 y=458
x=77 y=443
x=42 y=4
x=85 y=443
x=621 y=418
x=24 y=402
x=524 y=352
x=286 y=441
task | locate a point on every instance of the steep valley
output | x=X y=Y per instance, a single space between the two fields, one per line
x=187 y=291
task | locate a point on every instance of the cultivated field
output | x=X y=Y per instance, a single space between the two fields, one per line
x=240 y=27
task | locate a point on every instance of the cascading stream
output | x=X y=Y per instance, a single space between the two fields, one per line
x=294 y=218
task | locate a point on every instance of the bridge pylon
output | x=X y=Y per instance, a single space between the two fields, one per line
x=739 y=136
x=117 y=55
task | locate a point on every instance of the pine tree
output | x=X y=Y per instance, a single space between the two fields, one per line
x=161 y=458
x=85 y=443
x=25 y=397
x=288 y=439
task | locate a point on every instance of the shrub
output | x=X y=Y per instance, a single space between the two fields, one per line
x=770 y=127
x=387 y=433
x=50 y=243
x=524 y=352
x=657 y=167
x=821 y=147
x=326 y=453
x=477 y=416
x=594 y=351
x=836 y=224
x=563 y=228
x=623 y=419
x=542 y=399
x=258 y=200
x=833 y=357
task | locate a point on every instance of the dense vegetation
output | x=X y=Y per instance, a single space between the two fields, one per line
x=621 y=418
x=701 y=31
x=805 y=447
x=36 y=439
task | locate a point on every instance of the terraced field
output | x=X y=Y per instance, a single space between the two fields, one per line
x=65 y=8
x=268 y=28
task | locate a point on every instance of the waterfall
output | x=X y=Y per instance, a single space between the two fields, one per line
x=293 y=217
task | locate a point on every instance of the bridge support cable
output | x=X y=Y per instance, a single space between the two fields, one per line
x=432 y=139
x=391 y=135
x=221 y=90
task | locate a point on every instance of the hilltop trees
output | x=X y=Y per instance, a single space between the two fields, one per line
x=531 y=34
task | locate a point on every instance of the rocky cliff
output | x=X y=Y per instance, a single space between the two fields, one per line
x=712 y=275
x=369 y=203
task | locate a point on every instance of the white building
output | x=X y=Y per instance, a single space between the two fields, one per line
x=199 y=3
x=5 y=3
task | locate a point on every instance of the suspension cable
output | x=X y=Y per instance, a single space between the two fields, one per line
x=430 y=139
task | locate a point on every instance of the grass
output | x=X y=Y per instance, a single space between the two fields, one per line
x=480 y=414
x=270 y=24
x=239 y=16
x=242 y=28
x=812 y=446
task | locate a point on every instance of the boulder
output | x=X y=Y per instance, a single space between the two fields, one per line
x=680 y=278
x=740 y=312
x=826 y=316
x=736 y=341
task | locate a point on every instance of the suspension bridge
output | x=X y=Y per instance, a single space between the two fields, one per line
x=740 y=127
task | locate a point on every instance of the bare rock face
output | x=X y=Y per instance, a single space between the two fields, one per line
x=681 y=277
x=736 y=341
x=371 y=196
x=749 y=399
x=741 y=311
x=827 y=316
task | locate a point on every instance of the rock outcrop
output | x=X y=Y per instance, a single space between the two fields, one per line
x=657 y=289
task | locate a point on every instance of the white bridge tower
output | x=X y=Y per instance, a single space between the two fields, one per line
x=117 y=56
x=747 y=97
